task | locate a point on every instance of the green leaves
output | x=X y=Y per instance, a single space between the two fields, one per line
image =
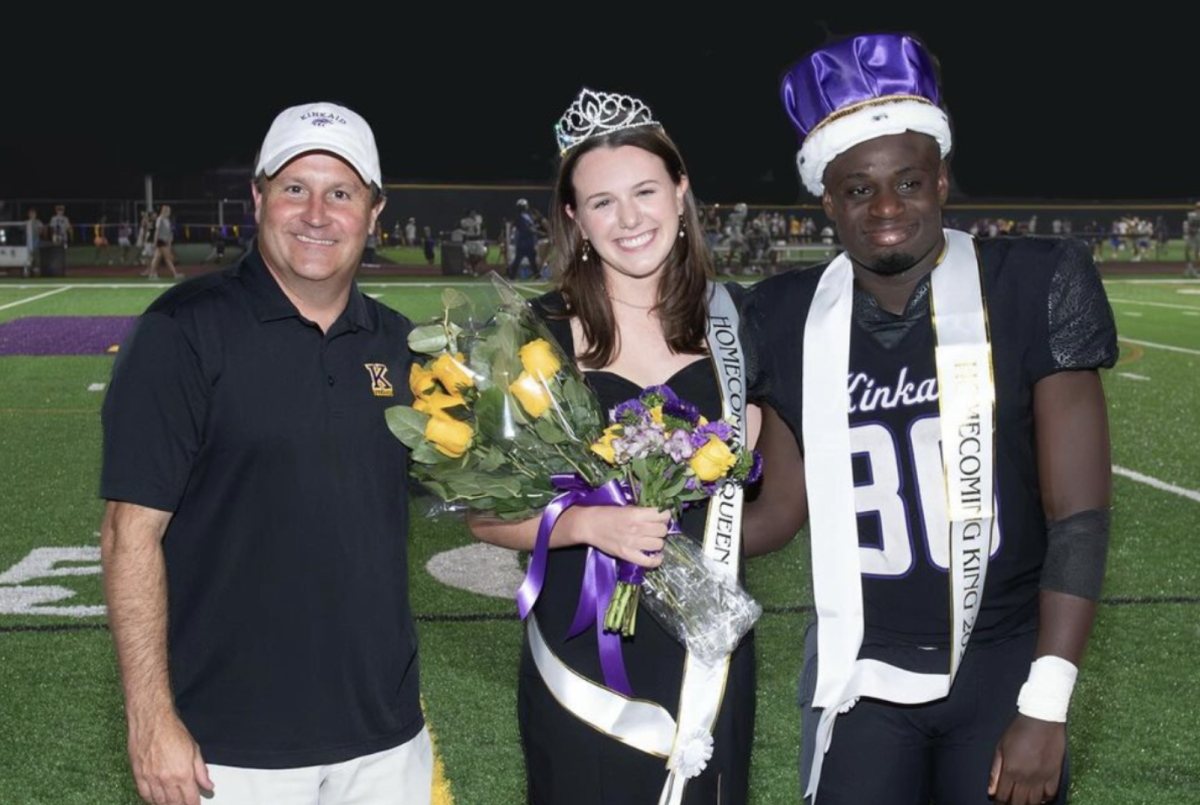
x=456 y=480
x=428 y=339
x=549 y=431
x=581 y=409
x=407 y=425
x=492 y=421
x=452 y=298
x=490 y=458
x=425 y=453
x=675 y=490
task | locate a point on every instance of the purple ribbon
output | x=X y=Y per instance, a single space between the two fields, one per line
x=600 y=576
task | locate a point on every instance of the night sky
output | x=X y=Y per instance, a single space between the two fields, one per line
x=1079 y=108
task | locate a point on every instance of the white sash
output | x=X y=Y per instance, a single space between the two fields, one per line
x=703 y=686
x=644 y=725
x=967 y=402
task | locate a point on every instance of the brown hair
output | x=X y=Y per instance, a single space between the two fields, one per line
x=683 y=288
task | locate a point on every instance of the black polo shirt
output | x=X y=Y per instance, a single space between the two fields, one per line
x=291 y=639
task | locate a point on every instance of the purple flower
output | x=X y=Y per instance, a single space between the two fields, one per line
x=695 y=484
x=721 y=429
x=630 y=412
x=656 y=435
x=637 y=442
x=679 y=446
x=755 y=468
x=657 y=395
x=628 y=447
x=682 y=410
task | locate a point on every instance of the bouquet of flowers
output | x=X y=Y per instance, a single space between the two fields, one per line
x=498 y=412
x=671 y=456
x=503 y=422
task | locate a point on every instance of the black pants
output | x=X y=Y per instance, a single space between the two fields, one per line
x=939 y=752
x=524 y=252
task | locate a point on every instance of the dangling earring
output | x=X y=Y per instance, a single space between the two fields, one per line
x=682 y=227
x=586 y=247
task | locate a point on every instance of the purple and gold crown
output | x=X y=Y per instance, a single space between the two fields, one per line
x=858 y=89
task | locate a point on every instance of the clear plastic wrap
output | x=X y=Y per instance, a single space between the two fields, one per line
x=698 y=600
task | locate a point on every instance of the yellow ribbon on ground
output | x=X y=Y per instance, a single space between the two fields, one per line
x=441 y=794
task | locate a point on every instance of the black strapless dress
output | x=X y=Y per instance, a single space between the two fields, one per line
x=570 y=763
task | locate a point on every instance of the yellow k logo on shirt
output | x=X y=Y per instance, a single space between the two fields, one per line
x=380 y=385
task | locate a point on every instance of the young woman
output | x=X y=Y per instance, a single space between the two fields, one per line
x=632 y=307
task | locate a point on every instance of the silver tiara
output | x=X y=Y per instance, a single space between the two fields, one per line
x=594 y=114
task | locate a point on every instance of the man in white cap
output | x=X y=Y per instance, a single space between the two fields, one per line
x=952 y=423
x=254 y=540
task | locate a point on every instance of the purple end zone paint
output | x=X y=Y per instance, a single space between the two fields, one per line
x=63 y=335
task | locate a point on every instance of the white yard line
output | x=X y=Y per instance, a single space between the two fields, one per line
x=1152 y=345
x=1190 y=494
x=1132 y=376
x=34 y=298
x=1180 y=281
x=106 y=285
x=1134 y=313
x=1117 y=301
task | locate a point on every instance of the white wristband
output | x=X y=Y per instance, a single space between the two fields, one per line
x=1047 y=693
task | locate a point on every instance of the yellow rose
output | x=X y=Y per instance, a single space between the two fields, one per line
x=448 y=436
x=539 y=359
x=713 y=460
x=452 y=372
x=532 y=394
x=421 y=381
x=435 y=404
x=603 y=446
x=656 y=415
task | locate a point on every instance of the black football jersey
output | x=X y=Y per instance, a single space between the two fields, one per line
x=1047 y=313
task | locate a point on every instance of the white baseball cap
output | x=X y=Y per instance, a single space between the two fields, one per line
x=320 y=127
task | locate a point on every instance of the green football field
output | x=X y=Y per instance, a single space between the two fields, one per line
x=1134 y=720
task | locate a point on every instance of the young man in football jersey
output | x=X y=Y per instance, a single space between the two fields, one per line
x=953 y=456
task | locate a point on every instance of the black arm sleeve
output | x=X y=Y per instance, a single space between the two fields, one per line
x=1081 y=332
